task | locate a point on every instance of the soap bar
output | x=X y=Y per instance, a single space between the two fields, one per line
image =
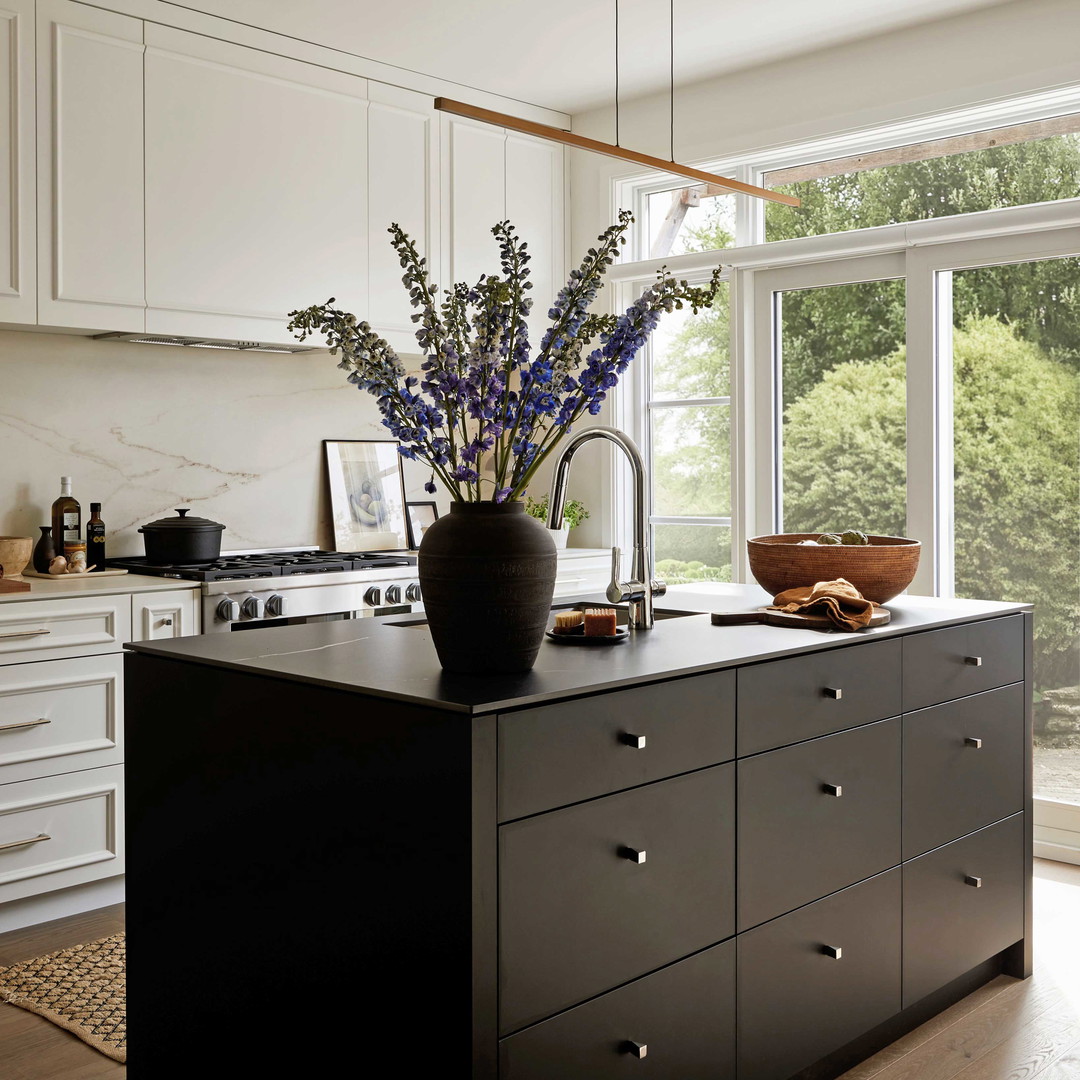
x=599 y=622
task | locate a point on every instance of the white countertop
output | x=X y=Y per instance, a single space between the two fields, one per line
x=63 y=588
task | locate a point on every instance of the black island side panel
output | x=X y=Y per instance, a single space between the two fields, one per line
x=301 y=877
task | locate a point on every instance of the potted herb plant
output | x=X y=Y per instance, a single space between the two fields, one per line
x=483 y=412
x=574 y=513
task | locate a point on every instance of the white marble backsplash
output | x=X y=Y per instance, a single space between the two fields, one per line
x=143 y=429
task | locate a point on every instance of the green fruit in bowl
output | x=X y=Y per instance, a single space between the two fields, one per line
x=853 y=536
x=829 y=538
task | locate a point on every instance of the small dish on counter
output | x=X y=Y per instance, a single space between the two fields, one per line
x=581 y=638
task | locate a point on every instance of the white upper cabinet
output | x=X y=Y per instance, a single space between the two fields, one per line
x=18 y=300
x=90 y=167
x=256 y=188
x=403 y=187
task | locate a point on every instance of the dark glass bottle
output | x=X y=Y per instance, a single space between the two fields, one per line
x=95 y=539
x=66 y=519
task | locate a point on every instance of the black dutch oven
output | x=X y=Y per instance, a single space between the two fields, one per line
x=181 y=539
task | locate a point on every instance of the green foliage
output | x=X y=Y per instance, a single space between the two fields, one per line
x=676 y=572
x=574 y=512
x=1017 y=468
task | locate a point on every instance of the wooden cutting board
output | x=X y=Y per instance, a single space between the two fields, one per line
x=880 y=617
x=10 y=585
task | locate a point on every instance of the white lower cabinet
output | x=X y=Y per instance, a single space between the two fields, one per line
x=159 y=615
x=61 y=831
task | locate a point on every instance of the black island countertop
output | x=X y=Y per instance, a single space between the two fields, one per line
x=393 y=657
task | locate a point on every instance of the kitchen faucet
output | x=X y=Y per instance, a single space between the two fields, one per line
x=642 y=587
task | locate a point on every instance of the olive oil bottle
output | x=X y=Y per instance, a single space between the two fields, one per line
x=66 y=519
x=95 y=538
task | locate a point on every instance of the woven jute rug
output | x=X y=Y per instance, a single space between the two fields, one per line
x=81 y=989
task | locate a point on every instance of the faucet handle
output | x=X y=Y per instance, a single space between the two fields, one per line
x=616 y=591
x=658 y=587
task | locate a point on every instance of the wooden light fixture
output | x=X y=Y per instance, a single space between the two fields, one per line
x=716 y=184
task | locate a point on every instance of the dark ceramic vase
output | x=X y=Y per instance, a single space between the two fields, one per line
x=487 y=572
x=44 y=550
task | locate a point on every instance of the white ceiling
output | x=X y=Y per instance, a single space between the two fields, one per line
x=560 y=53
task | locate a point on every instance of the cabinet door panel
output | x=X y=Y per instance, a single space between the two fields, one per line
x=941 y=665
x=256 y=188
x=797 y=840
x=963 y=767
x=18 y=295
x=169 y=614
x=578 y=915
x=683 y=1016
x=950 y=922
x=403 y=187
x=786 y=701
x=797 y=1003
x=90 y=168
x=477 y=172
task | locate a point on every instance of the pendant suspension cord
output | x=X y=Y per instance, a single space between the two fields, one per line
x=616 y=72
x=671 y=64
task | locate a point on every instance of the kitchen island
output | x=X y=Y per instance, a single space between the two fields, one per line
x=708 y=852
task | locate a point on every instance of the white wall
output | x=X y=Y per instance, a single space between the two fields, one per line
x=997 y=53
x=145 y=428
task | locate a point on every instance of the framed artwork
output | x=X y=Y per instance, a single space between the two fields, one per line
x=367 y=495
x=420 y=515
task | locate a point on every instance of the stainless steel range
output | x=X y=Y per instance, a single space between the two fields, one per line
x=245 y=589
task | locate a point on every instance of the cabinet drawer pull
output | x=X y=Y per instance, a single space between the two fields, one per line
x=25 y=724
x=973 y=661
x=638 y=1050
x=25 y=843
x=24 y=633
x=975 y=744
x=833 y=692
x=636 y=741
x=836 y=790
x=633 y=854
x=167 y=621
x=974 y=882
x=832 y=950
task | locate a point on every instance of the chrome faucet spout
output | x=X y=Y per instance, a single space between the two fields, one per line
x=640 y=590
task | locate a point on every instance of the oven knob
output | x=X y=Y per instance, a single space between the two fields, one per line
x=393 y=594
x=412 y=593
x=276 y=606
x=373 y=596
x=251 y=607
x=228 y=610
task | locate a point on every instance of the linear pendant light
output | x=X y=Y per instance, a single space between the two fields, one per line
x=568 y=138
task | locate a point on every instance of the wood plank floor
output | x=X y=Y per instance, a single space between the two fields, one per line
x=1010 y=1029
x=31 y=1048
x=1007 y=1030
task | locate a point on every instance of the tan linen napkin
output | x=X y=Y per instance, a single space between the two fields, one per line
x=839 y=600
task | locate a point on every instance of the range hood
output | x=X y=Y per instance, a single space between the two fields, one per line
x=205 y=343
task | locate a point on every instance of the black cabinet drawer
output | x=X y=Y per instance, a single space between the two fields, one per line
x=681 y=1018
x=944 y=664
x=963 y=767
x=962 y=904
x=798 y=1002
x=560 y=754
x=816 y=817
x=578 y=915
x=785 y=701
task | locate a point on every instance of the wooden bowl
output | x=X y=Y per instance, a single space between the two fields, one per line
x=880 y=570
x=15 y=552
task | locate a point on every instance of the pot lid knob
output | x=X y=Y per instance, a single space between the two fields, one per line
x=186 y=510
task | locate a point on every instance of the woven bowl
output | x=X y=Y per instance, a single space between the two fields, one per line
x=880 y=570
x=15 y=552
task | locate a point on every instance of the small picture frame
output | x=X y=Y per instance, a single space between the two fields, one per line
x=367 y=495
x=421 y=516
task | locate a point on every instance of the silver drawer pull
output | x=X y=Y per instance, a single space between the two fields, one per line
x=25 y=724
x=973 y=661
x=975 y=744
x=832 y=950
x=633 y=854
x=974 y=882
x=832 y=789
x=833 y=692
x=24 y=633
x=639 y=1050
x=636 y=741
x=167 y=621
x=25 y=843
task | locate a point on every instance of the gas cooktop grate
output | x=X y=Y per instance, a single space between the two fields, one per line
x=268 y=564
